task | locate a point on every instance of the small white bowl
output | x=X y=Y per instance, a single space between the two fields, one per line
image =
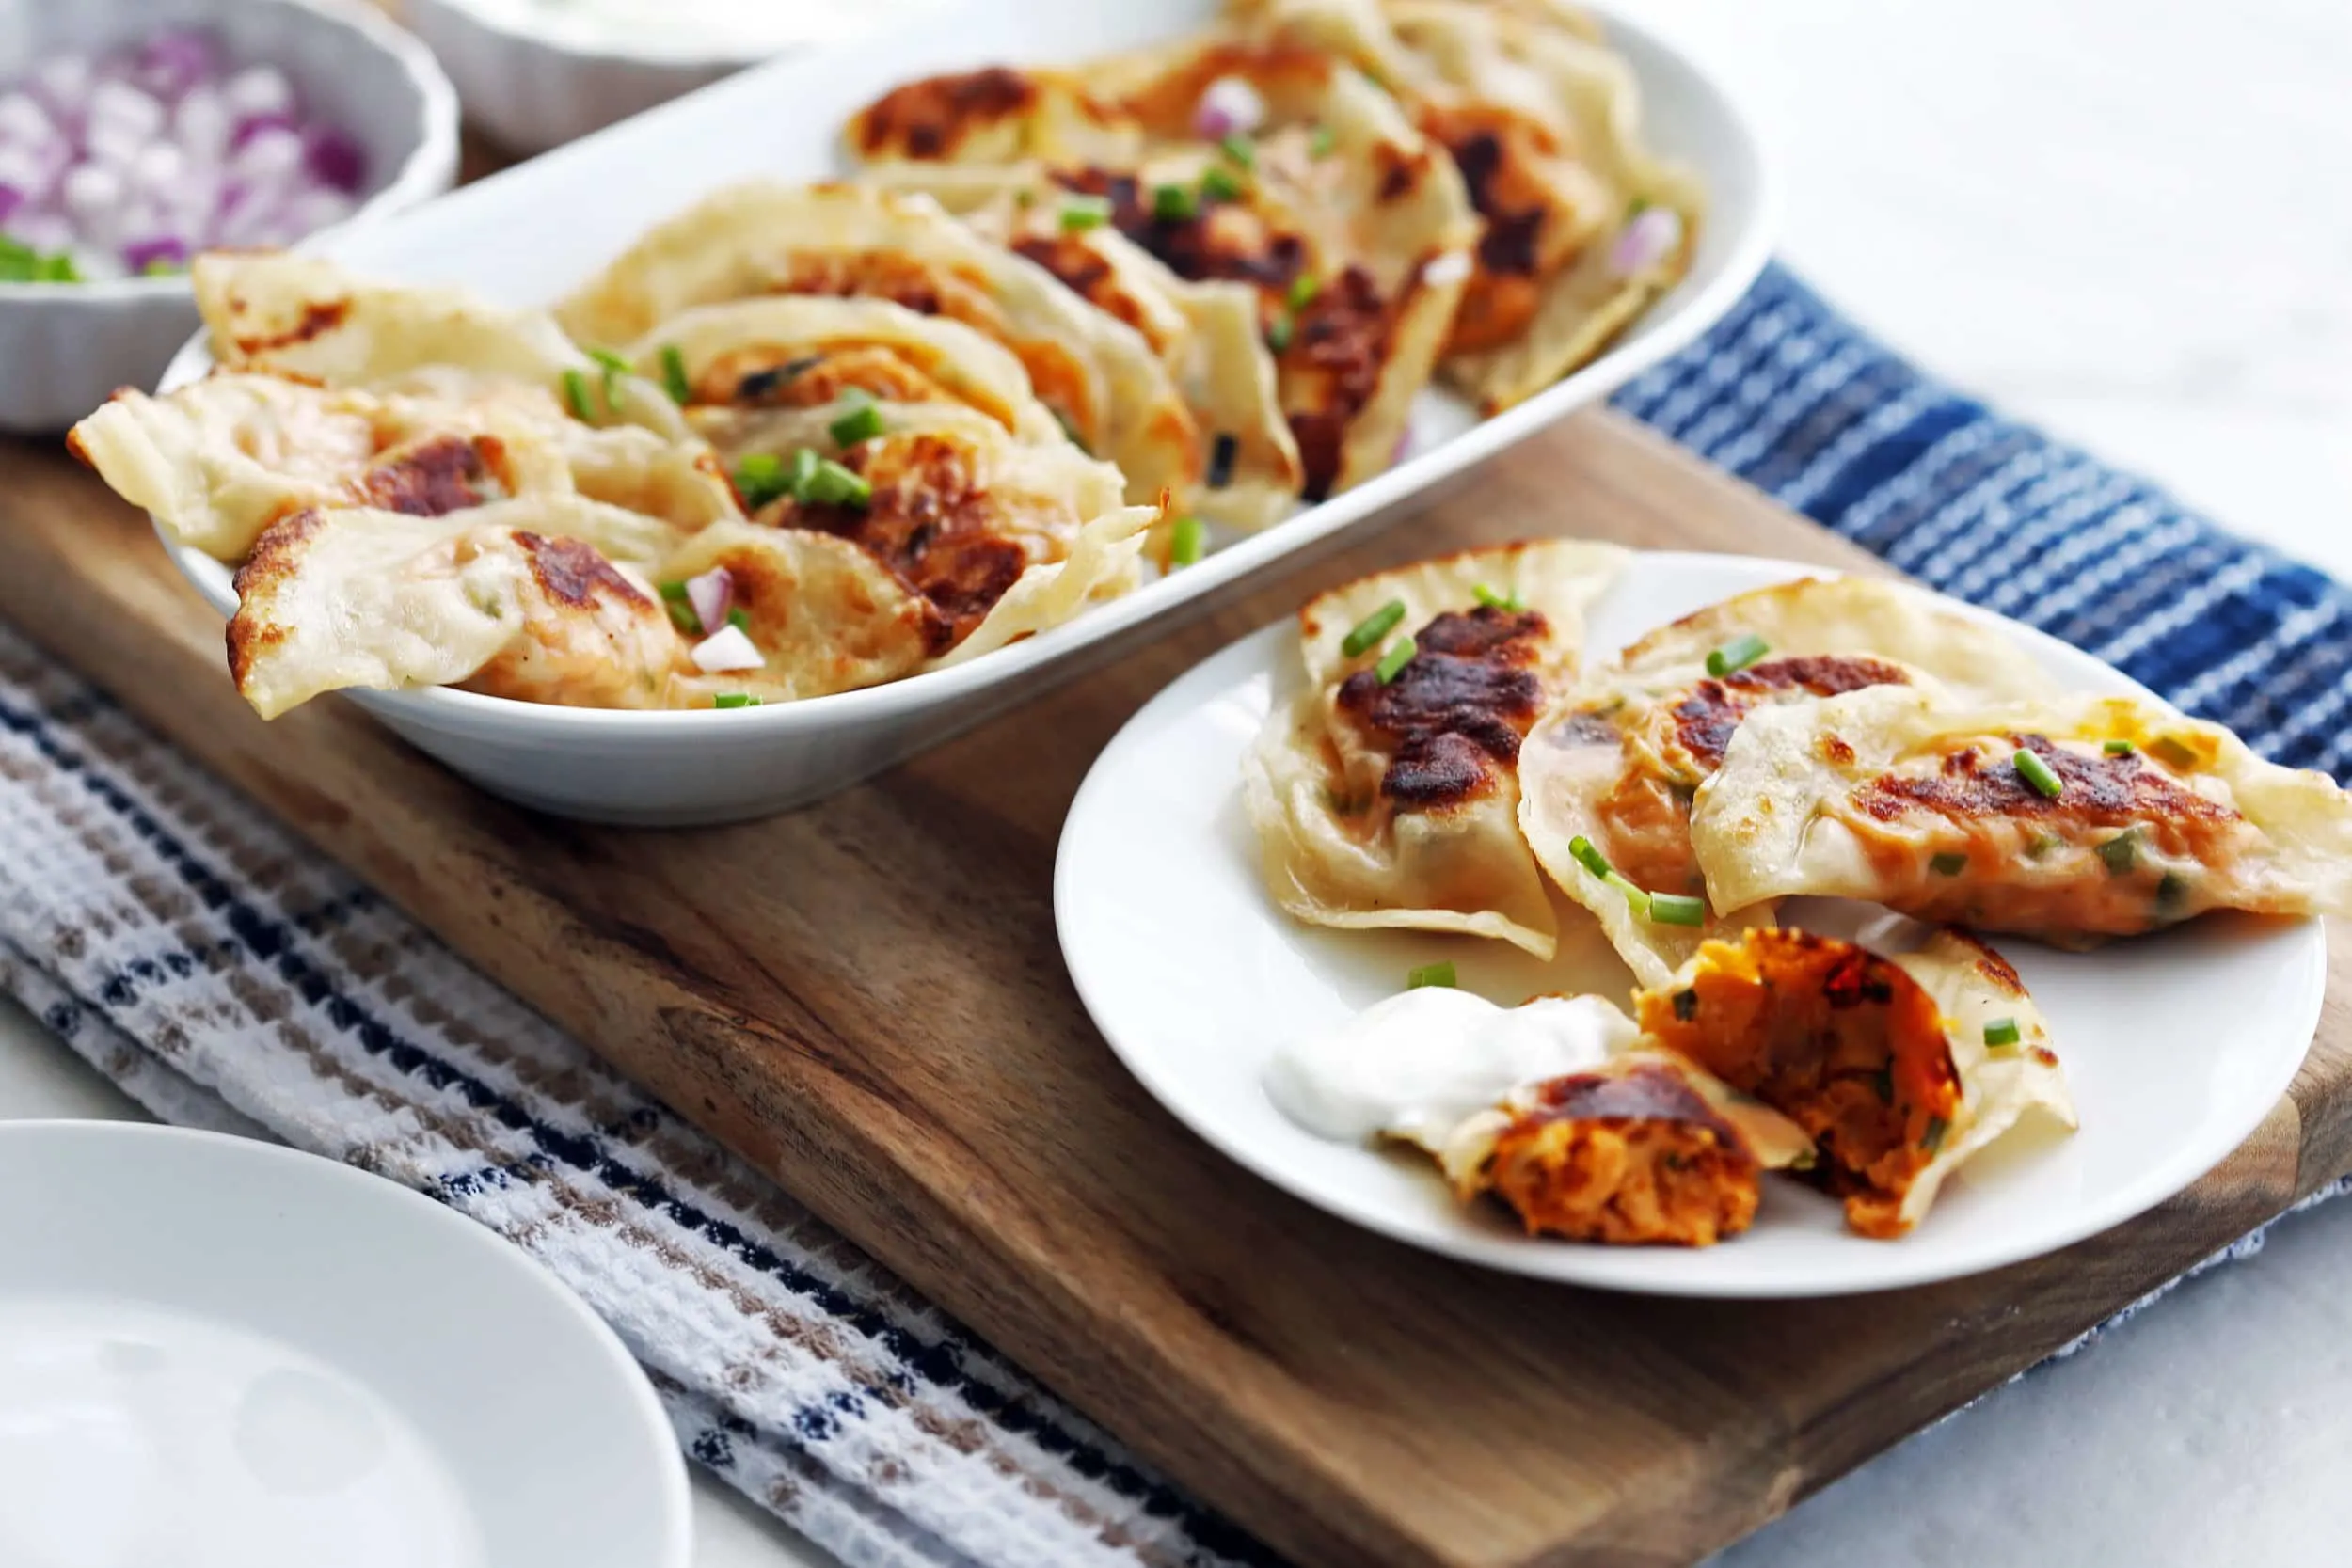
x=68 y=346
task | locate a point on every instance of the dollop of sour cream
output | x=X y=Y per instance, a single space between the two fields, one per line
x=1417 y=1065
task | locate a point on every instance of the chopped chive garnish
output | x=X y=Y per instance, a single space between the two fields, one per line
x=1932 y=1139
x=861 y=424
x=2037 y=774
x=1278 y=335
x=1303 y=290
x=1949 y=865
x=1634 y=897
x=1393 y=663
x=1738 y=653
x=1636 y=207
x=760 y=478
x=576 y=395
x=681 y=609
x=800 y=470
x=2169 y=749
x=1082 y=212
x=674 y=374
x=735 y=699
x=1174 y=204
x=2118 y=747
x=2121 y=852
x=1588 y=857
x=1366 y=635
x=1432 y=974
x=1217 y=183
x=1187 y=542
x=1322 y=142
x=833 y=485
x=1223 y=453
x=1674 y=909
x=1494 y=599
x=2001 y=1030
x=2171 y=892
x=1240 y=149
x=740 y=618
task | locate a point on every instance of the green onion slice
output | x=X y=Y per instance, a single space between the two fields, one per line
x=863 y=422
x=674 y=374
x=1494 y=599
x=1217 y=183
x=1322 y=141
x=1174 y=204
x=1634 y=897
x=1738 y=653
x=1303 y=290
x=1278 y=337
x=1439 y=973
x=1366 y=634
x=1949 y=865
x=576 y=395
x=1187 y=542
x=2037 y=774
x=1240 y=149
x=2118 y=747
x=740 y=619
x=2121 y=852
x=1082 y=212
x=831 y=484
x=735 y=699
x=1674 y=909
x=2000 y=1032
x=1932 y=1138
x=1588 y=857
x=2177 y=752
x=1393 y=663
x=760 y=478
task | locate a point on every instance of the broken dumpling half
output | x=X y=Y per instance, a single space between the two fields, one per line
x=1556 y=1108
x=1608 y=778
x=1900 y=1068
x=2071 y=820
x=1385 y=792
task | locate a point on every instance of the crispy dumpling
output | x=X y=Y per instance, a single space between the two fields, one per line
x=308 y=319
x=217 y=461
x=996 y=115
x=997 y=538
x=1096 y=373
x=798 y=351
x=1394 y=802
x=1616 y=767
x=1900 y=1068
x=2141 y=817
x=532 y=598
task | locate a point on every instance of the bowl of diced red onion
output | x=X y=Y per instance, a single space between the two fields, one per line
x=135 y=133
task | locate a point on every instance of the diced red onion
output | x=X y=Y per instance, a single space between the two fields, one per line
x=270 y=156
x=123 y=105
x=26 y=173
x=725 y=650
x=1655 y=234
x=174 y=60
x=24 y=121
x=252 y=126
x=258 y=89
x=63 y=83
x=1403 y=448
x=139 y=255
x=712 y=595
x=334 y=159
x=10 y=200
x=1229 y=106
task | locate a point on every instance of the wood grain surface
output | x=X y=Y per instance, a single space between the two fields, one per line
x=866 y=1000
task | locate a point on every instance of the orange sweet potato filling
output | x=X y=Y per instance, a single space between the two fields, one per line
x=1838 y=1040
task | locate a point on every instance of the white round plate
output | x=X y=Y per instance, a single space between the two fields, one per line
x=221 y=1353
x=2176 y=1045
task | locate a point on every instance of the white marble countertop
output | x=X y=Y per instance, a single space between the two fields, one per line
x=2124 y=219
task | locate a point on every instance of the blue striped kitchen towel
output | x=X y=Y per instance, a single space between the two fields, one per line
x=210 y=964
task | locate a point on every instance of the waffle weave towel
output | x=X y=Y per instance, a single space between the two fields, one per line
x=210 y=964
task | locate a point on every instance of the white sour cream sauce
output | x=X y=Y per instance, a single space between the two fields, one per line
x=717 y=29
x=1417 y=1065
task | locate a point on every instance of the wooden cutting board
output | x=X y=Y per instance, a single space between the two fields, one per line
x=866 y=1000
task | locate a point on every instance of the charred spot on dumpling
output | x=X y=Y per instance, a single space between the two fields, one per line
x=1082 y=270
x=774 y=378
x=437 y=476
x=1839 y=1041
x=1215 y=240
x=273 y=560
x=1331 y=370
x=573 y=574
x=939 y=116
x=1457 y=709
x=874 y=275
x=319 y=317
x=1627 y=1157
x=931 y=521
x=2096 y=790
x=1706 y=716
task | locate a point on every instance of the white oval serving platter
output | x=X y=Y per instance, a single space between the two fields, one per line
x=223 y=1353
x=528 y=235
x=2176 y=1045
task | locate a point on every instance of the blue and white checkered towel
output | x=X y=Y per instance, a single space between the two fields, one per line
x=205 y=960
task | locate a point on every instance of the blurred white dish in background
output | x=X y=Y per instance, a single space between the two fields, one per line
x=68 y=346
x=217 y=1352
